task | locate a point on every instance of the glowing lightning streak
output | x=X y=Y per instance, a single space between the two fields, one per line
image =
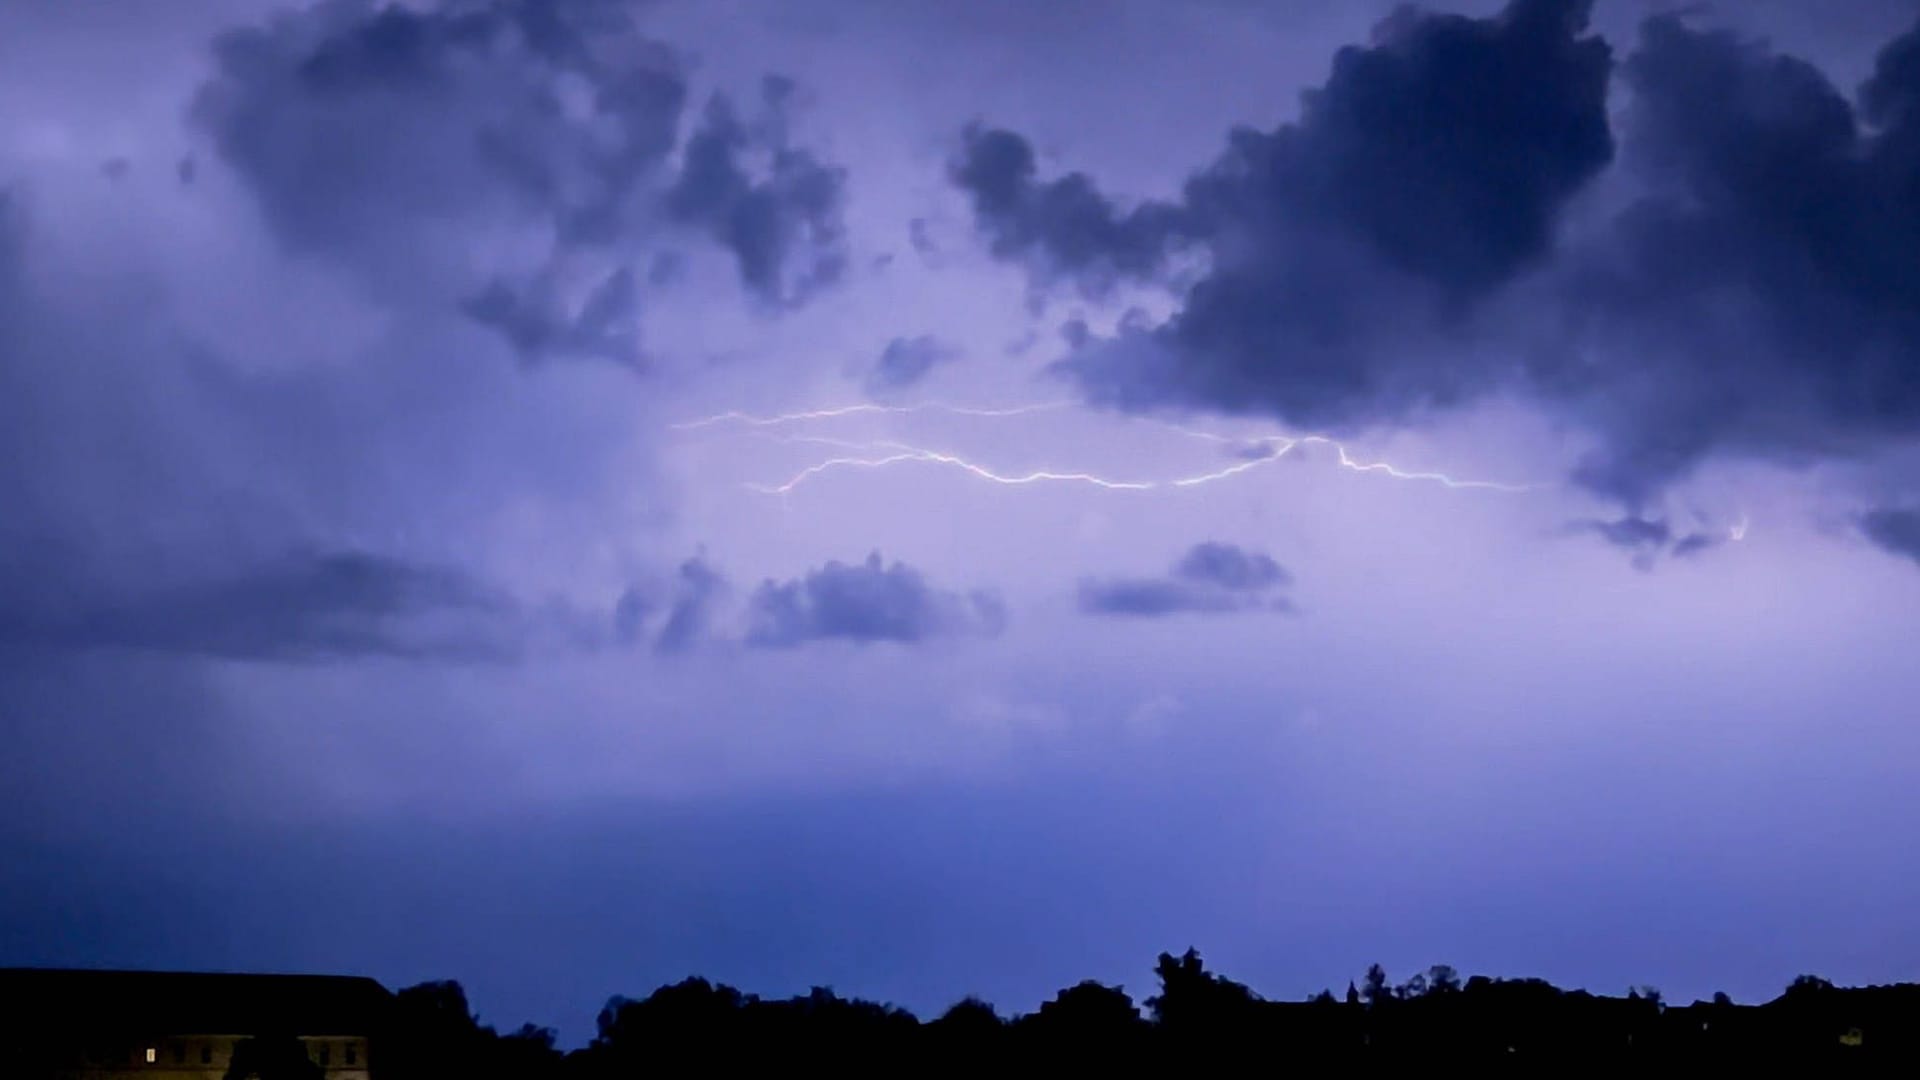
x=1281 y=446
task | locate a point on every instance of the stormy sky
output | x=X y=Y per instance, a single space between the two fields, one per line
x=941 y=498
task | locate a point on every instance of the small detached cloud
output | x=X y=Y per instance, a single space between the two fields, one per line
x=906 y=361
x=864 y=603
x=1212 y=578
x=1646 y=539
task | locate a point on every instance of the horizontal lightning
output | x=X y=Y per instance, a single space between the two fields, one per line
x=884 y=453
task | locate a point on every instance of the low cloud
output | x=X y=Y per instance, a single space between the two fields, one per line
x=1212 y=578
x=867 y=602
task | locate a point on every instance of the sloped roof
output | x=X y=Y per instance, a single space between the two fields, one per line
x=181 y=1003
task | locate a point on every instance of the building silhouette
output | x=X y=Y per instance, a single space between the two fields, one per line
x=96 y=1025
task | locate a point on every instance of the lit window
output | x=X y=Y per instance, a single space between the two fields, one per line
x=152 y=1055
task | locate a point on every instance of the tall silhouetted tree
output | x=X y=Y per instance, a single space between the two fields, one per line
x=1373 y=987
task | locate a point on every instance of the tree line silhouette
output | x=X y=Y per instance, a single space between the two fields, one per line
x=1195 y=1019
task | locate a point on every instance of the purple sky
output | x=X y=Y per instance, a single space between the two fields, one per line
x=414 y=560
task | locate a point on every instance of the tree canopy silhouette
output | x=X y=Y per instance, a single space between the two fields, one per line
x=1195 y=1019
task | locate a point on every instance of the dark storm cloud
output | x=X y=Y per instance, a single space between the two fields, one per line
x=1894 y=530
x=299 y=608
x=1761 y=295
x=795 y=209
x=905 y=361
x=1064 y=226
x=1211 y=578
x=1426 y=173
x=403 y=142
x=866 y=602
x=1400 y=245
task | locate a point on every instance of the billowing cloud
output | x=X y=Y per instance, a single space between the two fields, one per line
x=1211 y=578
x=867 y=602
x=905 y=361
x=1429 y=171
x=1756 y=297
x=517 y=157
x=1064 y=226
x=1742 y=288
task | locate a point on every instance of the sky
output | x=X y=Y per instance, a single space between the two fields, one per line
x=957 y=498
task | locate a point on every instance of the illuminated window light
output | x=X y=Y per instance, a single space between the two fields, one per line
x=152 y=1055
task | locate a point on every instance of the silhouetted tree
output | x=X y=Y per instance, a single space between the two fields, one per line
x=1200 y=1022
x=1374 y=988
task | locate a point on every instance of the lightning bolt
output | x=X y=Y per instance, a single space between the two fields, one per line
x=881 y=454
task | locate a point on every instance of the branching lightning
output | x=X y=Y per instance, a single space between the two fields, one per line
x=880 y=454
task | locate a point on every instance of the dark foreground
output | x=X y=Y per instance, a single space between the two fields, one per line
x=1195 y=1019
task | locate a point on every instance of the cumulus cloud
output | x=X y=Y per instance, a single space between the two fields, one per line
x=867 y=602
x=519 y=157
x=1426 y=173
x=1211 y=578
x=1405 y=244
x=1756 y=297
x=905 y=361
